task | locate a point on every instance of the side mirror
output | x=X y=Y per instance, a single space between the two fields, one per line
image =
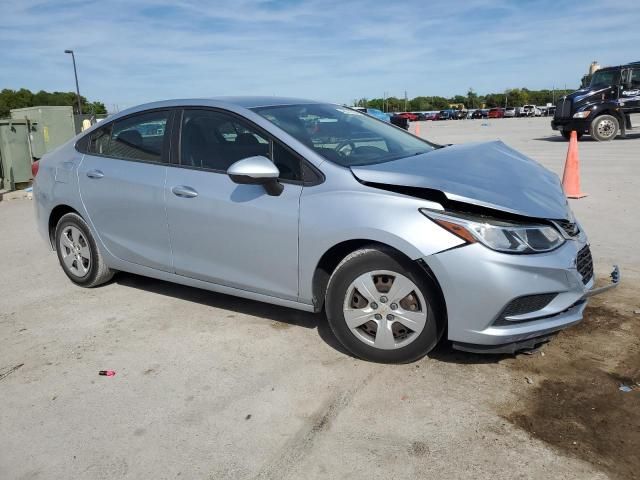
x=256 y=170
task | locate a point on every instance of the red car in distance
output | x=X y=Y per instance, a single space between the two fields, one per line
x=496 y=113
x=412 y=117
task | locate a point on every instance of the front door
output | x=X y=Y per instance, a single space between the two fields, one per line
x=630 y=96
x=225 y=233
x=122 y=180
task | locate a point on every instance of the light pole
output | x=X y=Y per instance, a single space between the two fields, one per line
x=75 y=72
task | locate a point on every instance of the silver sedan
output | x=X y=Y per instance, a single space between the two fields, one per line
x=318 y=207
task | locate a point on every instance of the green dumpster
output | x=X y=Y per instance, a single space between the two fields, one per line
x=15 y=153
x=56 y=126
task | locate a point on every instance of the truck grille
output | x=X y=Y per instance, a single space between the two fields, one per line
x=584 y=264
x=563 y=108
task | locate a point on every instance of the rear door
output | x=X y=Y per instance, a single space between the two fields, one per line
x=225 y=233
x=122 y=178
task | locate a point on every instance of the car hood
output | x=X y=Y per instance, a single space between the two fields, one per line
x=489 y=174
x=586 y=92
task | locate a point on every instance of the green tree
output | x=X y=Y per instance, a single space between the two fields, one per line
x=10 y=99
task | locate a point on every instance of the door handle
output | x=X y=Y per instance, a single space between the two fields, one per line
x=184 y=191
x=95 y=174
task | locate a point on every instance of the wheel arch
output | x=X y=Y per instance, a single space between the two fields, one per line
x=609 y=108
x=334 y=255
x=54 y=217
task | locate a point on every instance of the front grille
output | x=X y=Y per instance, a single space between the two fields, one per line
x=522 y=305
x=584 y=264
x=570 y=228
x=563 y=108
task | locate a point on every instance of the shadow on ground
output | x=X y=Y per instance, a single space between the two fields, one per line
x=443 y=352
x=244 y=306
x=556 y=138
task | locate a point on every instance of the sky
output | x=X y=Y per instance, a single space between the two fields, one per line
x=134 y=51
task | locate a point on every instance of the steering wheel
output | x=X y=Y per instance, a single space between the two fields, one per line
x=341 y=146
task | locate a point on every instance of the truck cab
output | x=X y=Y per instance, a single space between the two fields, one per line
x=608 y=106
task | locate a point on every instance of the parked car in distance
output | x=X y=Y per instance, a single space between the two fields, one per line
x=496 y=112
x=530 y=111
x=460 y=114
x=444 y=115
x=510 y=112
x=412 y=117
x=399 y=121
x=420 y=116
x=480 y=113
x=374 y=112
x=269 y=198
x=470 y=112
x=431 y=116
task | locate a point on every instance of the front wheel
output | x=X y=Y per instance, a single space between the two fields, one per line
x=382 y=308
x=604 y=128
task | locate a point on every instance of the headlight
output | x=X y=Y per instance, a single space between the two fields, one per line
x=584 y=114
x=498 y=235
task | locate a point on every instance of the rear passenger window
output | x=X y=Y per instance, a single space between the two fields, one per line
x=139 y=137
x=216 y=140
x=99 y=140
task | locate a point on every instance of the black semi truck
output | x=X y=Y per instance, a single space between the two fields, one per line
x=603 y=109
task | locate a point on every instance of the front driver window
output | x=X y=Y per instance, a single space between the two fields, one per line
x=635 y=78
x=214 y=140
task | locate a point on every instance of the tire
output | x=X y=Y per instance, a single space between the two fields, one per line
x=604 y=128
x=78 y=253
x=567 y=135
x=420 y=308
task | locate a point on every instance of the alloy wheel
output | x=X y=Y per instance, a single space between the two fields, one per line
x=385 y=309
x=75 y=251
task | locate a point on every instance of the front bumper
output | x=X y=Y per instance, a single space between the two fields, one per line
x=479 y=284
x=568 y=124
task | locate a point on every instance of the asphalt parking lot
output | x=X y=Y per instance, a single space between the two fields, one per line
x=210 y=386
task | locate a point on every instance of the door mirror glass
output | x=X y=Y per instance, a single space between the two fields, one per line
x=256 y=170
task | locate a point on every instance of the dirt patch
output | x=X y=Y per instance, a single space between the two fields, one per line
x=575 y=403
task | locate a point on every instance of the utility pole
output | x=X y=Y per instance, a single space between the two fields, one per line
x=75 y=73
x=405 y=100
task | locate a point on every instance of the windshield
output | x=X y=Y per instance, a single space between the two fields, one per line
x=344 y=136
x=604 y=78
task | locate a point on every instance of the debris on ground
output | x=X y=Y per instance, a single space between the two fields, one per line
x=628 y=388
x=248 y=416
x=4 y=375
x=107 y=373
x=529 y=380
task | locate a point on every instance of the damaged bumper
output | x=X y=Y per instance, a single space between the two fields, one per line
x=501 y=303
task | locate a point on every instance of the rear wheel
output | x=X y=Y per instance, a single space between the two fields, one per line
x=382 y=308
x=604 y=128
x=567 y=135
x=78 y=254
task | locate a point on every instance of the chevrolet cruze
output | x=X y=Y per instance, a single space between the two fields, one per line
x=318 y=207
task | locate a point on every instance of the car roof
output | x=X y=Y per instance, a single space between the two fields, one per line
x=241 y=102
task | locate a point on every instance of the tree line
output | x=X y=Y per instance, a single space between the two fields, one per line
x=515 y=97
x=10 y=99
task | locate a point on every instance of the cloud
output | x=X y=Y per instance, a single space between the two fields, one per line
x=132 y=52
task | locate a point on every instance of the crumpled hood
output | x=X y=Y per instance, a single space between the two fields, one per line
x=489 y=174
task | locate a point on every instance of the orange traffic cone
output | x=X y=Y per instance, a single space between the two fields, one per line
x=571 y=175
